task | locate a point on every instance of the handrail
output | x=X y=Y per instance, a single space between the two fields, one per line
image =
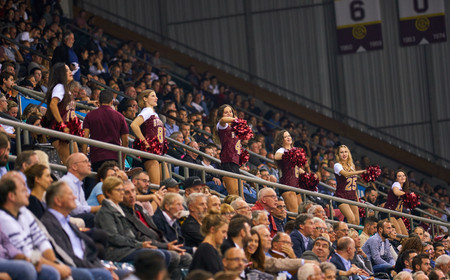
x=345 y=118
x=25 y=47
x=121 y=150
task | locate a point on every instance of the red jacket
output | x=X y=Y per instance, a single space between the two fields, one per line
x=272 y=226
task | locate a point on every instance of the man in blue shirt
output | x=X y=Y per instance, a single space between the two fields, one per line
x=342 y=259
x=377 y=248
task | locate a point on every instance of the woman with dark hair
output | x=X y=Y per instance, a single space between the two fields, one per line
x=147 y=127
x=35 y=138
x=231 y=146
x=106 y=170
x=395 y=201
x=346 y=176
x=61 y=109
x=38 y=179
x=289 y=175
x=207 y=257
x=254 y=251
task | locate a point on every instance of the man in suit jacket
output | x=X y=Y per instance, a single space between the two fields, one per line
x=81 y=248
x=238 y=233
x=342 y=259
x=197 y=206
x=142 y=225
x=301 y=235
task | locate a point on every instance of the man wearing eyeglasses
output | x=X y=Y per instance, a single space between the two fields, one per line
x=267 y=200
x=319 y=228
x=279 y=215
x=234 y=260
x=150 y=201
x=282 y=248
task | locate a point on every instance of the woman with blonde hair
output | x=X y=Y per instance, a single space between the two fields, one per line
x=346 y=176
x=207 y=257
x=227 y=211
x=147 y=126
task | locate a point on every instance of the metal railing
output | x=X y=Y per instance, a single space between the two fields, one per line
x=123 y=150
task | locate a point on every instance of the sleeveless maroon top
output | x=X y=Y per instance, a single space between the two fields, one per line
x=231 y=146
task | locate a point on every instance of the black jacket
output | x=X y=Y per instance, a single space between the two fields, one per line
x=191 y=232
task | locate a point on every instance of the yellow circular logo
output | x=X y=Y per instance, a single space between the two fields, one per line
x=359 y=32
x=422 y=23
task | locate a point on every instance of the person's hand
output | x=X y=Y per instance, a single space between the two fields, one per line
x=63 y=270
x=353 y=270
x=114 y=275
x=172 y=246
x=5 y=276
x=217 y=181
x=161 y=192
x=361 y=252
x=147 y=146
x=66 y=130
x=288 y=250
x=148 y=244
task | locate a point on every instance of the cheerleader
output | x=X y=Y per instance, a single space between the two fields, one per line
x=231 y=146
x=346 y=176
x=146 y=126
x=61 y=109
x=289 y=175
x=395 y=201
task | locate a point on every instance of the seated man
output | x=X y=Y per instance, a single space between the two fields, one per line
x=280 y=215
x=142 y=225
x=282 y=249
x=241 y=207
x=421 y=262
x=321 y=247
x=260 y=217
x=80 y=247
x=343 y=256
x=377 y=248
x=197 y=206
x=301 y=235
x=238 y=233
x=234 y=260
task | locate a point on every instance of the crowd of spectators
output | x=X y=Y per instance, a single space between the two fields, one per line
x=122 y=219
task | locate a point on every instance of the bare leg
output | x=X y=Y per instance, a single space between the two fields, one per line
x=290 y=198
x=231 y=184
x=402 y=226
x=166 y=173
x=347 y=211
x=395 y=224
x=154 y=171
x=62 y=148
x=355 y=213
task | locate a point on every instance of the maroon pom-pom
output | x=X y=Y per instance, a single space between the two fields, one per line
x=308 y=181
x=410 y=200
x=295 y=157
x=372 y=174
x=75 y=127
x=407 y=223
x=243 y=157
x=241 y=129
x=362 y=210
x=156 y=147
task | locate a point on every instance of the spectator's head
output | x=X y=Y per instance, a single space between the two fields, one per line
x=128 y=108
x=370 y=225
x=142 y=182
x=260 y=217
x=371 y=195
x=68 y=39
x=3 y=103
x=192 y=185
x=5 y=147
x=310 y=271
x=172 y=205
x=405 y=260
x=214 y=203
x=420 y=232
x=196 y=203
x=443 y=263
x=239 y=228
x=429 y=250
x=130 y=91
x=439 y=249
x=421 y=262
x=281 y=240
x=194 y=145
x=199 y=274
x=437 y=274
x=25 y=160
x=7 y=80
x=419 y=275
x=281 y=211
x=234 y=260
x=13 y=191
x=172 y=186
x=329 y=270
x=106 y=97
x=215 y=226
x=264 y=235
x=79 y=165
x=150 y=264
x=319 y=227
x=321 y=247
x=129 y=196
x=59 y=196
x=384 y=228
x=341 y=230
x=268 y=198
x=106 y=170
x=185 y=129
x=346 y=248
x=227 y=211
x=404 y=275
x=113 y=190
x=226 y=275
x=304 y=224
x=9 y=67
x=318 y=211
x=38 y=176
x=241 y=207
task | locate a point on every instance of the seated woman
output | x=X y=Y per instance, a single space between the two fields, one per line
x=207 y=257
x=123 y=245
x=254 y=251
x=96 y=197
x=38 y=180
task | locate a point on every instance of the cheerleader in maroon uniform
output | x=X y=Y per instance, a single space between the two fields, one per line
x=395 y=202
x=346 y=183
x=231 y=146
x=60 y=108
x=289 y=175
x=146 y=126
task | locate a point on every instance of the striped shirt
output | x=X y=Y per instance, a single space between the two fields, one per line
x=23 y=231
